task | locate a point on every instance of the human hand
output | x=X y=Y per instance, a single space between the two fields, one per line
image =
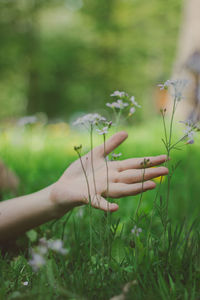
x=125 y=178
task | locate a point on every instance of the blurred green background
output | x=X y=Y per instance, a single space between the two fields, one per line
x=64 y=56
x=59 y=58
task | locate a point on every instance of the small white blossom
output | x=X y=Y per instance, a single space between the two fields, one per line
x=25 y=283
x=109 y=123
x=132 y=99
x=116 y=155
x=37 y=261
x=190 y=141
x=131 y=111
x=118 y=104
x=190 y=131
x=136 y=230
x=102 y=131
x=57 y=246
x=177 y=85
x=118 y=94
x=190 y=135
x=89 y=119
x=165 y=85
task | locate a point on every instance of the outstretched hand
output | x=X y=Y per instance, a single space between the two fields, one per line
x=125 y=178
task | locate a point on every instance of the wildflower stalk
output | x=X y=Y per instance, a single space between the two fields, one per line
x=165 y=128
x=92 y=161
x=107 y=193
x=104 y=144
x=89 y=196
x=153 y=211
x=171 y=124
x=168 y=155
x=141 y=195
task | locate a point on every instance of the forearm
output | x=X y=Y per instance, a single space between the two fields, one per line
x=23 y=213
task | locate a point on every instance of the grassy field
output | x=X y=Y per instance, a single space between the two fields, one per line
x=162 y=262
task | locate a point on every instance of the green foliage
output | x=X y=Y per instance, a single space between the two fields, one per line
x=154 y=265
x=63 y=56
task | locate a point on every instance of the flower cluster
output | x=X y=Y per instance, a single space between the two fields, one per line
x=123 y=101
x=105 y=128
x=136 y=231
x=90 y=119
x=177 y=85
x=190 y=131
x=39 y=253
x=118 y=104
x=115 y=156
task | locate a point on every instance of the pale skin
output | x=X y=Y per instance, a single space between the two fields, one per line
x=125 y=178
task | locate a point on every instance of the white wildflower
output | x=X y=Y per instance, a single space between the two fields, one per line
x=136 y=230
x=132 y=99
x=57 y=246
x=90 y=119
x=190 y=130
x=177 y=85
x=37 y=261
x=102 y=131
x=165 y=85
x=108 y=123
x=116 y=155
x=131 y=111
x=118 y=94
x=25 y=283
x=118 y=104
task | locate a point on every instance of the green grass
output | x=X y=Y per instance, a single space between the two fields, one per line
x=160 y=265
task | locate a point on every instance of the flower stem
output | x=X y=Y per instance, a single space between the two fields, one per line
x=107 y=195
x=168 y=155
x=92 y=161
x=141 y=195
x=89 y=196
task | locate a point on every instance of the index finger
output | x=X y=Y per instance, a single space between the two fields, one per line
x=112 y=143
x=141 y=162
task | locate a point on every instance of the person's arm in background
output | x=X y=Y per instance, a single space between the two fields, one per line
x=125 y=178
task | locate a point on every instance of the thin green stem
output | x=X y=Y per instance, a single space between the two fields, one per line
x=107 y=195
x=168 y=154
x=171 y=123
x=141 y=195
x=92 y=161
x=165 y=129
x=104 y=144
x=89 y=196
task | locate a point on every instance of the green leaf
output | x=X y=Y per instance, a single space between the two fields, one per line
x=118 y=251
x=32 y=235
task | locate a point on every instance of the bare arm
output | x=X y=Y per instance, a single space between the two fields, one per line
x=125 y=178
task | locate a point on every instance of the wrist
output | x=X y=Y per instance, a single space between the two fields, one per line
x=58 y=200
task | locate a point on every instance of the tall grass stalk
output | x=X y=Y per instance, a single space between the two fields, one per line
x=89 y=196
x=92 y=161
x=108 y=214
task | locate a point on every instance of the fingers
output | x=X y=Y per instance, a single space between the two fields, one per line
x=118 y=190
x=134 y=176
x=112 y=143
x=101 y=203
x=139 y=163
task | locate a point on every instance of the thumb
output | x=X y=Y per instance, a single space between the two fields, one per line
x=113 y=142
x=101 y=203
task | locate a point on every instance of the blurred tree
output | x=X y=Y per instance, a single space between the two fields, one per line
x=187 y=63
x=62 y=56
